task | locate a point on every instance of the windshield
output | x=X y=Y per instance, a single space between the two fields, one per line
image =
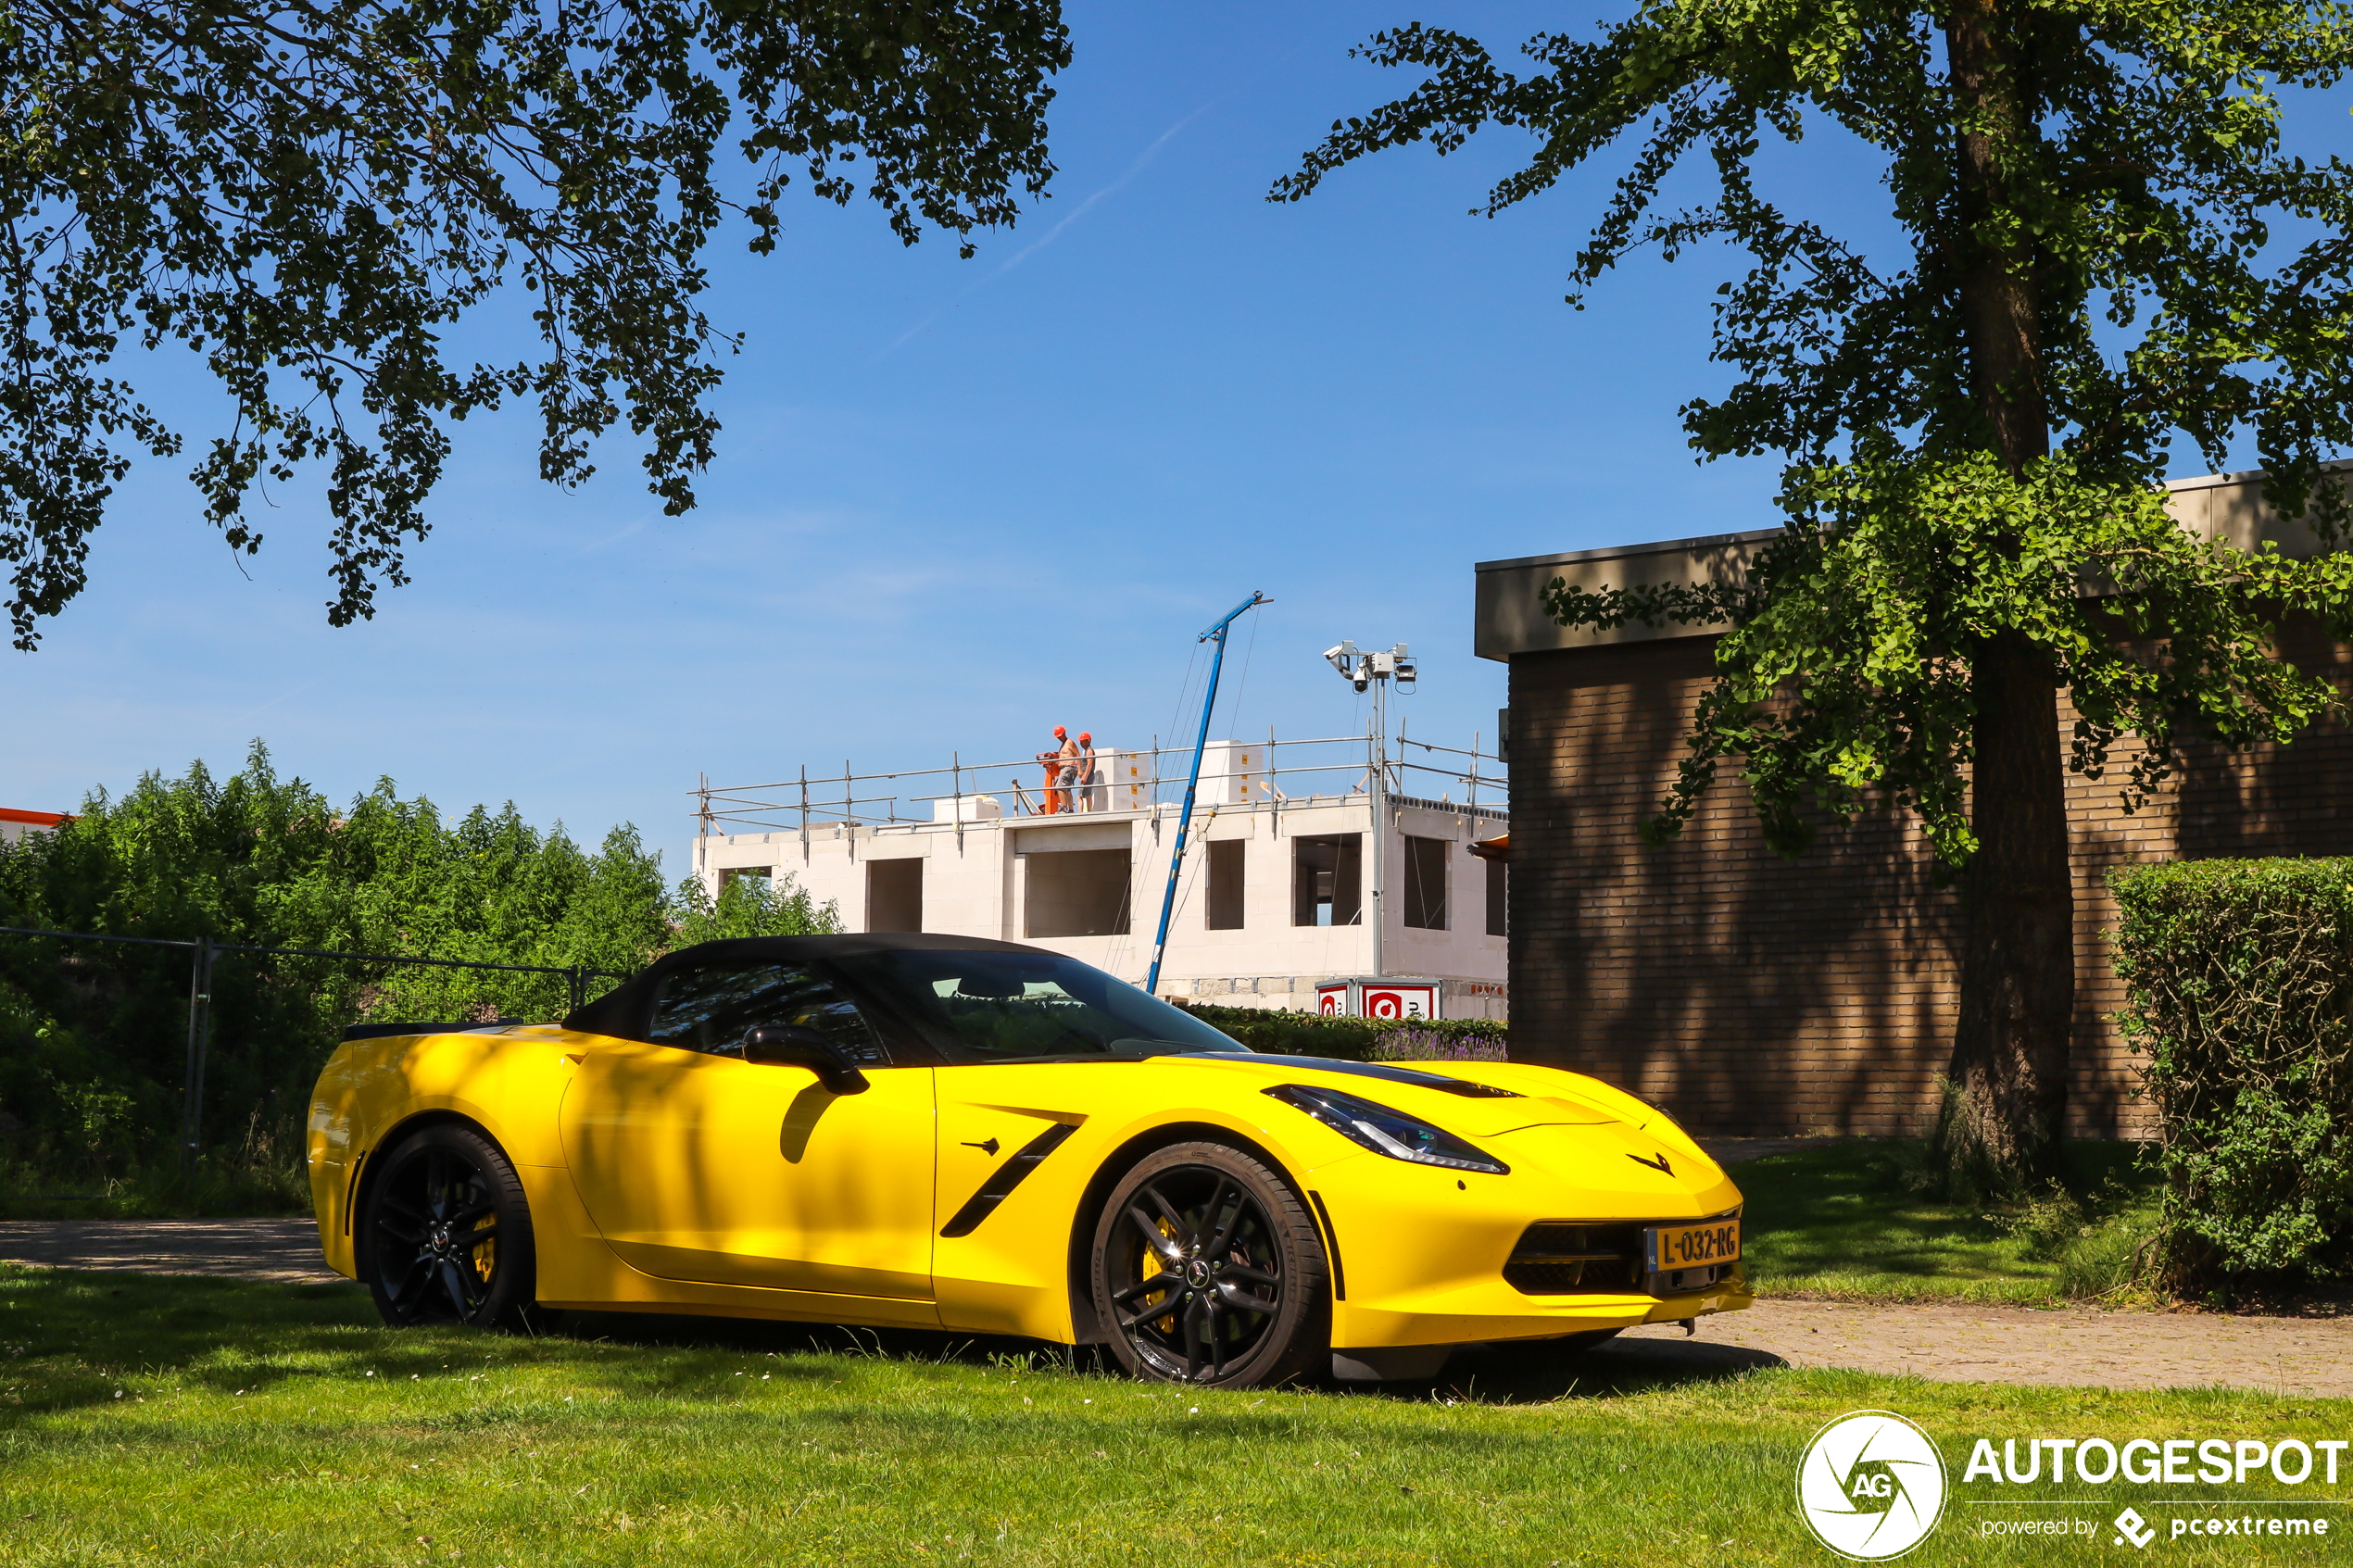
x=983 y=1005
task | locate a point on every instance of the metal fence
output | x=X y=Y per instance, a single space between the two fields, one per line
x=1347 y=762
x=200 y=993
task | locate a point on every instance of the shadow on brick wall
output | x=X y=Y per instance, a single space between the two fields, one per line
x=1755 y=996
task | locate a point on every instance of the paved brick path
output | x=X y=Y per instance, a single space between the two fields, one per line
x=278 y=1249
x=2077 y=1346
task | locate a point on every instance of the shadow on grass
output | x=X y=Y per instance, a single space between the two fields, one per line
x=1852 y=1209
x=1529 y=1371
x=762 y=1337
x=67 y=1339
x=1539 y=1373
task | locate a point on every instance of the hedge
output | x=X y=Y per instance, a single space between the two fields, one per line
x=2239 y=980
x=1358 y=1039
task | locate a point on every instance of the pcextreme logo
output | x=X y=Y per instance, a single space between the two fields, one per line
x=1871 y=1485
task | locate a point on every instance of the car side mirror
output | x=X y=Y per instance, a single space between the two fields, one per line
x=793 y=1045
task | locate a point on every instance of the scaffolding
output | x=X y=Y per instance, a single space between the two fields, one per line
x=824 y=800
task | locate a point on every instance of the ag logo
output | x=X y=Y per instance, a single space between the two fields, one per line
x=1871 y=1486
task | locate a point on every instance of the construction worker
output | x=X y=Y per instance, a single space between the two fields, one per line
x=1067 y=775
x=1052 y=763
x=1087 y=779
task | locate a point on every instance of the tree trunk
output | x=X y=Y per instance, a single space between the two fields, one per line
x=2007 y=1105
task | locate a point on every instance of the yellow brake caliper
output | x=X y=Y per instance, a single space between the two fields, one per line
x=1150 y=1265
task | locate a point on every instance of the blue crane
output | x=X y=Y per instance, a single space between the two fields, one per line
x=1192 y=781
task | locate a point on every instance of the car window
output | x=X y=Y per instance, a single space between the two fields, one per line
x=994 y=1006
x=714 y=1007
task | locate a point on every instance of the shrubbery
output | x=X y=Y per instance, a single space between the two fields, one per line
x=1358 y=1039
x=94 y=1037
x=2240 y=980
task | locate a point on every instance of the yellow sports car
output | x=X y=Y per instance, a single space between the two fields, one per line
x=948 y=1133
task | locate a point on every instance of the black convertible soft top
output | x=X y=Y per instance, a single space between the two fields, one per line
x=624 y=1012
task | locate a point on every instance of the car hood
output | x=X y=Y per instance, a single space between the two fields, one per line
x=1476 y=1098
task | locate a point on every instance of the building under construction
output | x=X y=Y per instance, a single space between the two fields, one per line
x=1310 y=865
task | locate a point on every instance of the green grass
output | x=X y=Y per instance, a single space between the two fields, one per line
x=158 y=1421
x=1845 y=1220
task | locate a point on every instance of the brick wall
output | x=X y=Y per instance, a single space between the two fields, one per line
x=1750 y=995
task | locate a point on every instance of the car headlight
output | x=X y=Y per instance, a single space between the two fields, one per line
x=1388 y=1131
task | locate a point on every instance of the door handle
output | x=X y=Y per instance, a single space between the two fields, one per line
x=989 y=1149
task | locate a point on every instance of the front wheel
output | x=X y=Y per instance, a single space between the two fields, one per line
x=1208 y=1270
x=444 y=1234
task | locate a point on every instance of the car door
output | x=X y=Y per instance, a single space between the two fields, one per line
x=699 y=1165
x=1000 y=1261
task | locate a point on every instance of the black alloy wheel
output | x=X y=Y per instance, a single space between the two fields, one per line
x=445 y=1234
x=1207 y=1269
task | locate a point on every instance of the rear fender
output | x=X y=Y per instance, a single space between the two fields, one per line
x=372 y=1092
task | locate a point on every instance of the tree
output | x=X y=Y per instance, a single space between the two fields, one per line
x=309 y=195
x=2106 y=246
x=260 y=858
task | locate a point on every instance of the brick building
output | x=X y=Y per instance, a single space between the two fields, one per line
x=1753 y=996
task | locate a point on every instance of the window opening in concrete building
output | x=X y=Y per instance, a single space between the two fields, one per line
x=730 y=874
x=1076 y=893
x=1327 y=879
x=1426 y=881
x=895 y=895
x=1226 y=884
x=1499 y=900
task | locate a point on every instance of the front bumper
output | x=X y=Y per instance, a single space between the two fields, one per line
x=1422 y=1253
x=1477 y=1314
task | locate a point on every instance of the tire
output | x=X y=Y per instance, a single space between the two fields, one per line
x=1225 y=1246
x=445 y=1233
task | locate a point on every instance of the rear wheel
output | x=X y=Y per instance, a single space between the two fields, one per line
x=444 y=1234
x=1208 y=1270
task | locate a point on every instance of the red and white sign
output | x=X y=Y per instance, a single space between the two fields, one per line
x=1400 y=1001
x=1378 y=998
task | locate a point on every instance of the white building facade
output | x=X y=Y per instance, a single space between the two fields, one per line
x=1275 y=896
x=18 y=825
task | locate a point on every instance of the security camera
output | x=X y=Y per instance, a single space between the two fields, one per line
x=1342 y=657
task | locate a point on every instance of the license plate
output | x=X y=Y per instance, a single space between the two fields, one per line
x=1668 y=1247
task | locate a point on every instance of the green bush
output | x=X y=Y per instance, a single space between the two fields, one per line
x=1351 y=1039
x=2239 y=978
x=94 y=1037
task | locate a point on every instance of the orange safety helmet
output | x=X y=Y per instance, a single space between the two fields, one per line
x=1060 y=734
x=1085 y=738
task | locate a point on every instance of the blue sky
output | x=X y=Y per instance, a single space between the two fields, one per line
x=957 y=502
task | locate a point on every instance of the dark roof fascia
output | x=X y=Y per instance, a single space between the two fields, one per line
x=1624 y=552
